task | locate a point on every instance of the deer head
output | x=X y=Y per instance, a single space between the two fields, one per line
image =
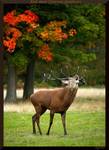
x=66 y=80
x=73 y=81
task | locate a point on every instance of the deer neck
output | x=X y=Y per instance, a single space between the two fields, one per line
x=72 y=92
x=70 y=95
x=72 y=88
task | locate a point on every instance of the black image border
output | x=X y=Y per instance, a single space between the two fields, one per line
x=106 y=3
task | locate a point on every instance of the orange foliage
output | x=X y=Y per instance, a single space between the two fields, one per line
x=12 y=33
x=10 y=44
x=44 y=35
x=72 y=32
x=56 y=24
x=45 y=53
x=52 y=31
x=10 y=18
x=28 y=16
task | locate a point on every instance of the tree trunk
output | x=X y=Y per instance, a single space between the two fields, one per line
x=29 y=80
x=11 y=83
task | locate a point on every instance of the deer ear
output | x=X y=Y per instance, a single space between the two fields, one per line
x=65 y=81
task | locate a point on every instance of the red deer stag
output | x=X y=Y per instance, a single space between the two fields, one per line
x=57 y=101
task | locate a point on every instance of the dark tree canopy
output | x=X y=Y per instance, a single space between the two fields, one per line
x=86 y=49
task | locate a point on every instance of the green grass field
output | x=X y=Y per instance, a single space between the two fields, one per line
x=84 y=128
x=85 y=122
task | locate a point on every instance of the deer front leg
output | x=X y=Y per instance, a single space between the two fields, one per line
x=51 y=121
x=33 y=123
x=63 y=117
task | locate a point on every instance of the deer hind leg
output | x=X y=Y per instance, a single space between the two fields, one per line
x=33 y=122
x=63 y=116
x=36 y=118
x=51 y=121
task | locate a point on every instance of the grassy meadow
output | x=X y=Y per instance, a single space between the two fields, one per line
x=85 y=125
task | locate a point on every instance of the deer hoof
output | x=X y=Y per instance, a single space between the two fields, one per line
x=34 y=132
